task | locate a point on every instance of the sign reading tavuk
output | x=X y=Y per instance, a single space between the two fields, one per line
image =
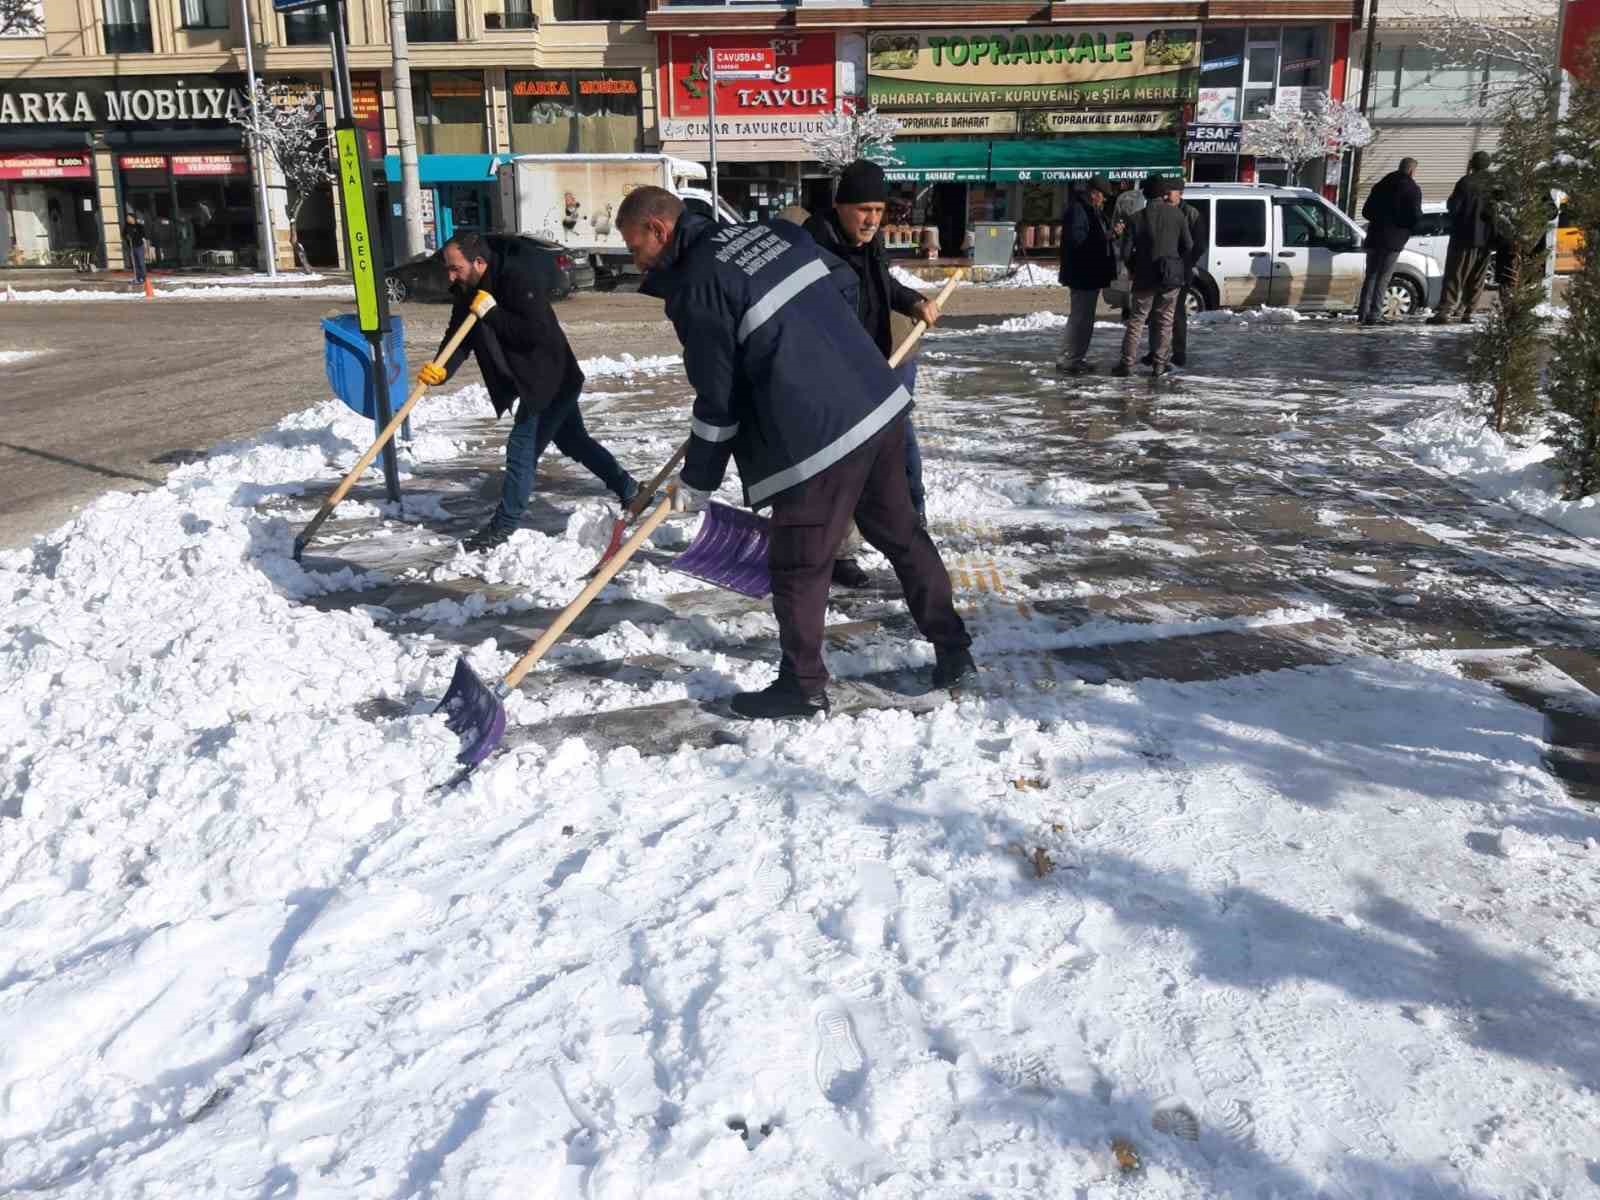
x=1080 y=67
x=790 y=105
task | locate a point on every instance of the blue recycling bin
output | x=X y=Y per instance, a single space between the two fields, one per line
x=348 y=359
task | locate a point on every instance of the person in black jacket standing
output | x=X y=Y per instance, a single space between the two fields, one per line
x=1393 y=210
x=1088 y=266
x=1160 y=252
x=853 y=232
x=1472 y=242
x=527 y=362
x=788 y=382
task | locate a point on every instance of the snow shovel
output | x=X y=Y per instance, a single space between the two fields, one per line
x=388 y=432
x=476 y=712
x=631 y=510
x=730 y=548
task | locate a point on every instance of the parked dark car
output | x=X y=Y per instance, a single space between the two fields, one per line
x=423 y=278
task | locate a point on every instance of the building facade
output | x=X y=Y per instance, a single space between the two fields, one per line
x=123 y=106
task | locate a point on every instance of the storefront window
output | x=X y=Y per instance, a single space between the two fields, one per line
x=573 y=112
x=1304 y=61
x=1418 y=80
x=1221 y=74
x=450 y=112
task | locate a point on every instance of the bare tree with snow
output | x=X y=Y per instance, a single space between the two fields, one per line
x=21 y=18
x=846 y=137
x=289 y=124
x=1518 y=33
x=1298 y=135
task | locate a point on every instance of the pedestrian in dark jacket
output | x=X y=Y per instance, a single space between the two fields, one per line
x=1472 y=241
x=1393 y=210
x=1088 y=266
x=134 y=238
x=526 y=362
x=1200 y=235
x=852 y=231
x=1159 y=252
x=789 y=384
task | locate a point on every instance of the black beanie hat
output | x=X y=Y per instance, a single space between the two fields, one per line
x=1153 y=185
x=862 y=182
x=1479 y=161
x=1102 y=185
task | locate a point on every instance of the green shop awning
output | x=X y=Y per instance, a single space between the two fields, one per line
x=1035 y=160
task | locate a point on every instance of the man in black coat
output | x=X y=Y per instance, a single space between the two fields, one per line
x=1159 y=252
x=1200 y=237
x=1472 y=242
x=1088 y=267
x=1393 y=210
x=852 y=232
x=527 y=362
x=788 y=382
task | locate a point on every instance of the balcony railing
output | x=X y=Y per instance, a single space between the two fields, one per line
x=515 y=19
x=430 y=25
x=308 y=26
x=129 y=39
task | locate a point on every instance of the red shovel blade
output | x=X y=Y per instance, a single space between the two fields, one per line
x=617 y=532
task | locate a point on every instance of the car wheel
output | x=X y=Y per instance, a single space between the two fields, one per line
x=1402 y=299
x=396 y=288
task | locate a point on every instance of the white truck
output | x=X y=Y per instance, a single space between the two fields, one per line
x=572 y=199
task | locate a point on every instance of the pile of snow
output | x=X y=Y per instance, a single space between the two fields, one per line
x=1024 y=276
x=1517 y=472
x=215 y=292
x=11 y=357
x=903 y=276
x=1243 y=317
x=1247 y=927
x=1027 y=323
x=1552 y=312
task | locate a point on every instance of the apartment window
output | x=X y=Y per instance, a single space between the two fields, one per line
x=571 y=112
x=431 y=20
x=205 y=14
x=128 y=27
x=1221 y=73
x=1304 y=58
x=518 y=14
x=599 y=10
x=450 y=112
x=312 y=26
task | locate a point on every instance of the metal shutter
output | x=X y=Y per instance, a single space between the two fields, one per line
x=1441 y=152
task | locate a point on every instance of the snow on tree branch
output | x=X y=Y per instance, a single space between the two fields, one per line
x=1521 y=33
x=845 y=137
x=21 y=18
x=289 y=125
x=1297 y=135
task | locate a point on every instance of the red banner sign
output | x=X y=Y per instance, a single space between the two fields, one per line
x=1579 y=25
x=210 y=164
x=26 y=164
x=142 y=162
x=803 y=62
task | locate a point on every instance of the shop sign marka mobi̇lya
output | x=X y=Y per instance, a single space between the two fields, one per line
x=142 y=100
x=1087 y=67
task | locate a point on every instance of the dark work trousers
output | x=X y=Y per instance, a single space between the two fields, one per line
x=1375 y=283
x=808 y=522
x=1465 y=268
x=562 y=424
x=136 y=255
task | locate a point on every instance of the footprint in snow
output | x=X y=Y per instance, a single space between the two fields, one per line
x=1178 y=1120
x=840 y=1066
x=770 y=880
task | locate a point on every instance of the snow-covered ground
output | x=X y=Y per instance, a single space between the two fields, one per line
x=179 y=292
x=1514 y=471
x=1325 y=931
x=11 y=357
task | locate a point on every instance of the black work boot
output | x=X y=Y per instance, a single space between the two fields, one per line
x=847 y=573
x=487 y=538
x=1121 y=371
x=953 y=668
x=782 y=701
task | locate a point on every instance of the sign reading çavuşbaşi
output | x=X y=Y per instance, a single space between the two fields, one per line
x=1109 y=65
x=802 y=85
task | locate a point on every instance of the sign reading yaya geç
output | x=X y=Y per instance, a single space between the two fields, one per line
x=1078 y=68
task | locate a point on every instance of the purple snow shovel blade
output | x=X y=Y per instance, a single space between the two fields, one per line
x=474 y=713
x=730 y=551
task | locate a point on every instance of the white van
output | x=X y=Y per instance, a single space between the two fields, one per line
x=1289 y=248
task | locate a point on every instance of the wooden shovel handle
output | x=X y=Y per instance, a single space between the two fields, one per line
x=921 y=327
x=570 y=613
x=365 y=461
x=634 y=507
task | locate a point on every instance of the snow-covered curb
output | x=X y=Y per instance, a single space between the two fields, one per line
x=1518 y=473
x=73 y=295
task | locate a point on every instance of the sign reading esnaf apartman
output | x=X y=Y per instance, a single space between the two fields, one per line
x=127 y=100
x=1081 y=67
